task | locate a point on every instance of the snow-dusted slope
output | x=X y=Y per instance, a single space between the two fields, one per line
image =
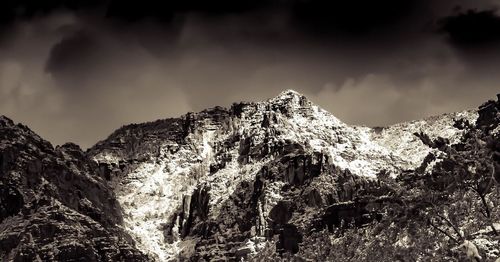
x=401 y=140
x=162 y=168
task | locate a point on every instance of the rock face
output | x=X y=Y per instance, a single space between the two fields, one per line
x=53 y=205
x=218 y=184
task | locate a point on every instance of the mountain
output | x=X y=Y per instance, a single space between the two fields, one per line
x=53 y=204
x=279 y=179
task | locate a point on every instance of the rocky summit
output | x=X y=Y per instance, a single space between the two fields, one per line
x=278 y=180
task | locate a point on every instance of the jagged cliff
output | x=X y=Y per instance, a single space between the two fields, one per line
x=228 y=183
x=53 y=204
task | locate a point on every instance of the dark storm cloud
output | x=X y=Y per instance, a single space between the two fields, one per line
x=165 y=10
x=475 y=34
x=127 y=10
x=473 y=29
x=14 y=10
x=73 y=52
x=353 y=18
x=357 y=18
x=78 y=70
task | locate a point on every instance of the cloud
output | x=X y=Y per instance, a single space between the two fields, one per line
x=365 y=19
x=336 y=19
x=473 y=29
x=73 y=51
x=376 y=100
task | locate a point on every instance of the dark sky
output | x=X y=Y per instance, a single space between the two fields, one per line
x=77 y=70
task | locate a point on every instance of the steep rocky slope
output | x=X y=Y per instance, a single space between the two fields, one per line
x=54 y=206
x=223 y=183
x=401 y=139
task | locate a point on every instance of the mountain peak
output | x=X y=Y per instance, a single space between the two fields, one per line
x=5 y=121
x=289 y=93
x=290 y=97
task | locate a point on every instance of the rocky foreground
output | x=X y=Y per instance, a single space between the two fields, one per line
x=275 y=180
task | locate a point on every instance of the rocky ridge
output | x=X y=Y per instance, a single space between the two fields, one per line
x=54 y=206
x=218 y=184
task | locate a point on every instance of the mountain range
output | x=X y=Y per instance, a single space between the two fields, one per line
x=275 y=180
